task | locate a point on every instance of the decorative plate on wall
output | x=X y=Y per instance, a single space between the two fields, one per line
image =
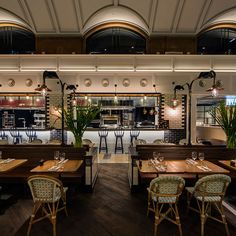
x=126 y=82
x=11 y=82
x=87 y=82
x=105 y=82
x=143 y=82
x=28 y=82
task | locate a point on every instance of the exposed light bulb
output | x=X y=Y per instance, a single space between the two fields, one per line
x=74 y=102
x=27 y=97
x=174 y=102
x=214 y=92
x=115 y=99
x=44 y=92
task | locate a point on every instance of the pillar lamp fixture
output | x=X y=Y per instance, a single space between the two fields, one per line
x=115 y=97
x=43 y=89
x=214 y=89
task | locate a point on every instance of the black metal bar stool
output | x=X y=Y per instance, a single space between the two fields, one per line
x=103 y=133
x=17 y=138
x=3 y=135
x=119 y=133
x=31 y=133
x=134 y=133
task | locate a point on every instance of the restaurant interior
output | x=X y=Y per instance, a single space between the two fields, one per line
x=117 y=117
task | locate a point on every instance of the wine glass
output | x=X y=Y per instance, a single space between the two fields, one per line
x=155 y=155
x=62 y=156
x=201 y=157
x=161 y=158
x=56 y=155
x=194 y=156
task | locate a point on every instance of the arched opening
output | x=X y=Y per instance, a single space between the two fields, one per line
x=116 y=40
x=219 y=39
x=15 y=39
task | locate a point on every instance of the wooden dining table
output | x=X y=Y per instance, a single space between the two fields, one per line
x=10 y=164
x=227 y=164
x=51 y=166
x=180 y=167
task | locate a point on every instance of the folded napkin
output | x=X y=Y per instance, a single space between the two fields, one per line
x=155 y=162
x=5 y=161
x=54 y=168
x=204 y=168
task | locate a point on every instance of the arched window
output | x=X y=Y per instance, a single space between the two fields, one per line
x=16 y=40
x=116 y=40
x=217 y=41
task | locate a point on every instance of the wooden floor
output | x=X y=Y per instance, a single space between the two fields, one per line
x=111 y=210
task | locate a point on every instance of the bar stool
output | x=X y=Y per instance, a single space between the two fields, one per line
x=119 y=133
x=133 y=135
x=3 y=135
x=103 y=133
x=31 y=133
x=17 y=138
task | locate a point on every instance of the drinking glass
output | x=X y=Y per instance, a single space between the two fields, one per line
x=56 y=155
x=194 y=156
x=155 y=156
x=201 y=156
x=161 y=158
x=62 y=156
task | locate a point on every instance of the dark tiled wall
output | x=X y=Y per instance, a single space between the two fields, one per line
x=174 y=135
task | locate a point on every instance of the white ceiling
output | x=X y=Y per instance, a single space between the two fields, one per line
x=158 y=17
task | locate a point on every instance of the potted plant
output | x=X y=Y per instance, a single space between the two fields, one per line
x=78 y=118
x=225 y=116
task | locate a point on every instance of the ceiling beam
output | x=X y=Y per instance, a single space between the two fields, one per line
x=152 y=15
x=53 y=15
x=78 y=14
x=25 y=8
x=177 y=16
x=204 y=12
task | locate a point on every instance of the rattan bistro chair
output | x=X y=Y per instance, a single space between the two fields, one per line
x=165 y=190
x=49 y=195
x=207 y=191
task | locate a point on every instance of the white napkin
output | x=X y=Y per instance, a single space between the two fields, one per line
x=191 y=161
x=5 y=161
x=54 y=168
x=204 y=168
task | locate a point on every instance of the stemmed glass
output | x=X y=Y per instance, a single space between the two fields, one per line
x=201 y=157
x=56 y=156
x=62 y=156
x=194 y=156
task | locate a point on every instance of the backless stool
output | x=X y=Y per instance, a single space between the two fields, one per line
x=17 y=138
x=103 y=140
x=133 y=135
x=119 y=133
x=31 y=133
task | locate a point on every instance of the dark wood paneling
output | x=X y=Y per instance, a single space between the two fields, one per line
x=164 y=44
x=59 y=45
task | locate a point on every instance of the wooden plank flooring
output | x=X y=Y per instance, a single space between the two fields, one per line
x=111 y=210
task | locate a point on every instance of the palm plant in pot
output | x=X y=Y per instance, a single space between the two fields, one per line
x=225 y=116
x=78 y=118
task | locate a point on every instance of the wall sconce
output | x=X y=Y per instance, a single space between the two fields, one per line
x=214 y=89
x=43 y=89
x=175 y=101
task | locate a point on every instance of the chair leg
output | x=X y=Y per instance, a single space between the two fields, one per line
x=202 y=218
x=178 y=220
x=224 y=220
x=157 y=220
x=35 y=209
x=54 y=219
